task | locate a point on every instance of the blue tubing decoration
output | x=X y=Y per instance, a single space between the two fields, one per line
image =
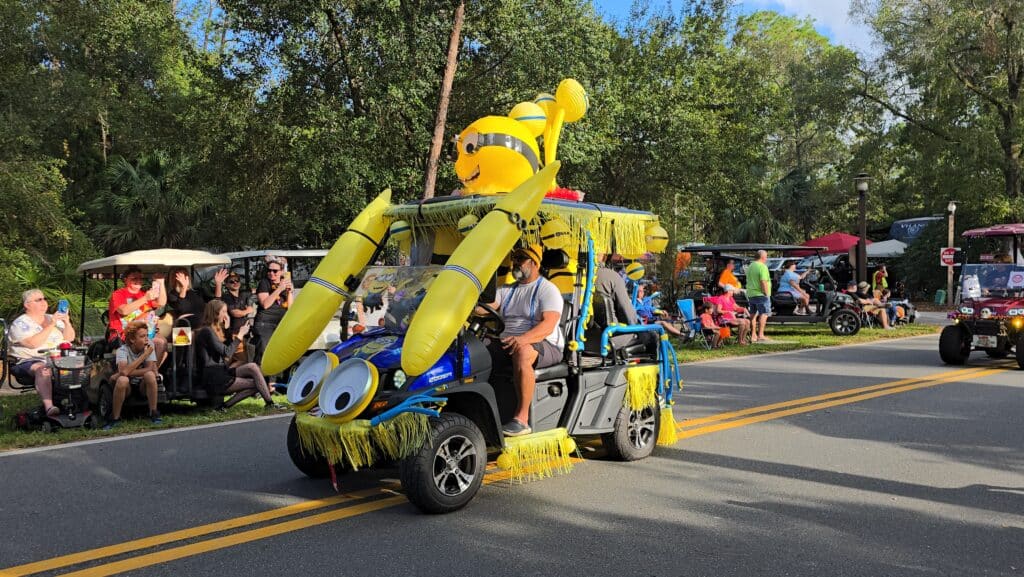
x=607 y=334
x=409 y=405
x=588 y=294
x=635 y=297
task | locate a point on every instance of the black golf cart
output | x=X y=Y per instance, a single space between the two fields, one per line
x=839 y=310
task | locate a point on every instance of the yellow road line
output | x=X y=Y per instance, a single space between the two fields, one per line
x=835 y=403
x=844 y=393
x=234 y=539
x=191 y=532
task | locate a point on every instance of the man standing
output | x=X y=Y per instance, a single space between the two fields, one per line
x=759 y=293
x=531 y=308
x=880 y=280
x=136 y=365
x=33 y=331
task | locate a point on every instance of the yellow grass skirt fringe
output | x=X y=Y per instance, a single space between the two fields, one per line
x=537 y=455
x=667 y=435
x=641 y=384
x=359 y=444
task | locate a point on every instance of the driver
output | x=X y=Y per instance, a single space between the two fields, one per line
x=530 y=308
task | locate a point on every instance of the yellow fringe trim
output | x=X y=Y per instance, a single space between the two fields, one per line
x=667 y=434
x=641 y=384
x=359 y=444
x=537 y=455
x=626 y=230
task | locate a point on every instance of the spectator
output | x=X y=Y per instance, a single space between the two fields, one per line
x=240 y=308
x=790 y=284
x=186 y=303
x=733 y=315
x=31 y=332
x=871 y=305
x=215 y=347
x=880 y=280
x=620 y=309
x=648 y=314
x=136 y=365
x=130 y=303
x=708 y=326
x=759 y=290
x=727 y=281
x=273 y=295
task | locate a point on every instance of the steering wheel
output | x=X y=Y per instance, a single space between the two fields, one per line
x=489 y=325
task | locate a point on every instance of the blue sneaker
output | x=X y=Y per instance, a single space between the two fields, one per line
x=154 y=418
x=112 y=424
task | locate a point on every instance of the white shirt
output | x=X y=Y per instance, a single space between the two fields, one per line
x=23 y=328
x=523 y=306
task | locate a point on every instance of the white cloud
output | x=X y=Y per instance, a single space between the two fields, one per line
x=831 y=17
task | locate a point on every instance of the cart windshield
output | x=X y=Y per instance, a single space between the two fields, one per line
x=992 y=280
x=390 y=295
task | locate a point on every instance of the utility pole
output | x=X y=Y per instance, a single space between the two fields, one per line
x=442 y=106
x=951 y=213
x=861 y=182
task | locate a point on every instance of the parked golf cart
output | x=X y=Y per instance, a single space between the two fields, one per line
x=839 y=310
x=990 y=314
x=178 y=380
x=361 y=386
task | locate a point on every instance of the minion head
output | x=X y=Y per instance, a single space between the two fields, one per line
x=496 y=154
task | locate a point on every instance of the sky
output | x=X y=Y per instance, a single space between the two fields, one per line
x=829 y=16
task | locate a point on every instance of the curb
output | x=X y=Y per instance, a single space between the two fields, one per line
x=763 y=355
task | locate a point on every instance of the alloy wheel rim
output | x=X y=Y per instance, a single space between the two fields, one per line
x=641 y=427
x=455 y=464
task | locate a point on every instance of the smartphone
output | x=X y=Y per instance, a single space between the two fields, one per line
x=63 y=305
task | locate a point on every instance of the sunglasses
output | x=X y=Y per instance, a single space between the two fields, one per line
x=274 y=270
x=233 y=280
x=38 y=300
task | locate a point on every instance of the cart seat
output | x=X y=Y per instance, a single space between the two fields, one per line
x=783 y=299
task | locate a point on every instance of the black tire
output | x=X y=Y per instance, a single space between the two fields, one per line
x=635 y=434
x=954 y=346
x=844 y=323
x=437 y=483
x=90 y=422
x=1020 y=351
x=49 y=426
x=314 y=466
x=105 y=402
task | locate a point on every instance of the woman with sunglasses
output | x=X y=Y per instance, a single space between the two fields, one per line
x=273 y=296
x=35 y=330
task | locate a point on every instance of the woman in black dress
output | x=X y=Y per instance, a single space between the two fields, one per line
x=215 y=347
x=273 y=295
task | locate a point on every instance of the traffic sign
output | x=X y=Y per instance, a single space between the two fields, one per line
x=947 y=256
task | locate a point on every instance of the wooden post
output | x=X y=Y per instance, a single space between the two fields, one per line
x=442 y=106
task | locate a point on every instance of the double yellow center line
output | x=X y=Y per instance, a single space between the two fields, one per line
x=360 y=502
x=731 y=420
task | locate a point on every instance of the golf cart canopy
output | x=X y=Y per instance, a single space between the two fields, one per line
x=997 y=230
x=297 y=253
x=153 y=260
x=747 y=247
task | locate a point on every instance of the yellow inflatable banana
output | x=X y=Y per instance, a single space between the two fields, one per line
x=453 y=294
x=322 y=295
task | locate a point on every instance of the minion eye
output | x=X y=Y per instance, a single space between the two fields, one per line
x=470 y=143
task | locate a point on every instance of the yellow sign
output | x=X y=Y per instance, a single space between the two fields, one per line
x=182 y=336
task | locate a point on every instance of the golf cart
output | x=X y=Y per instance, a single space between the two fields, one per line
x=358 y=406
x=839 y=310
x=990 y=314
x=178 y=380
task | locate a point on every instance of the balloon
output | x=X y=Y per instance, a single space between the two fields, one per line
x=572 y=98
x=635 y=271
x=531 y=115
x=657 y=238
x=467 y=223
x=555 y=234
x=495 y=155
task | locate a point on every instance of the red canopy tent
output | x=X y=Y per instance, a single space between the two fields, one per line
x=836 y=242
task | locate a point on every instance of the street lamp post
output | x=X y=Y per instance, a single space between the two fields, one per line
x=951 y=213
x=861 y=182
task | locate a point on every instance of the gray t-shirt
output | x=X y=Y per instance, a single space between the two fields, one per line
x=523 y=306
x=125 y=355
x=611 y=286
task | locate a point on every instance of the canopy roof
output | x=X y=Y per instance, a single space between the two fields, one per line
x=997 y=230
x=834 y=242
x=747 y=247
x=608 y=225
x=153 y=260
x=287 y=253
x=886 y=248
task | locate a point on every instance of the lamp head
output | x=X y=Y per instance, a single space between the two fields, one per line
x=861 y=181
x=951 y=207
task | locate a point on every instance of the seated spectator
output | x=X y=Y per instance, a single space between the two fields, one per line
x=130 y=303
x=733 y=315
x=649 y=315
x=708 y=326
x=790 y=284
x=214 y=347
x=136 y=365
x=870 y=304
x=727 y=280
x=31 y=332
x=240 y=308
x=186 y=303
x=612 y=289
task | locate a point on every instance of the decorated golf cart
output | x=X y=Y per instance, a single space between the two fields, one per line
x=422 y=390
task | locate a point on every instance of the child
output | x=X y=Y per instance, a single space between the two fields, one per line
x=711 y=330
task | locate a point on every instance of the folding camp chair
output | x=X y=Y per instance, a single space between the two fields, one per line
x=692 y=328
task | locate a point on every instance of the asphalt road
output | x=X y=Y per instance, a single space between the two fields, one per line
x=920 y=471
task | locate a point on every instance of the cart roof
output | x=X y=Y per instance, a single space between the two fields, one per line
x=747 y=247
x=297 y=253
x=154 y=260
x=997 y=230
